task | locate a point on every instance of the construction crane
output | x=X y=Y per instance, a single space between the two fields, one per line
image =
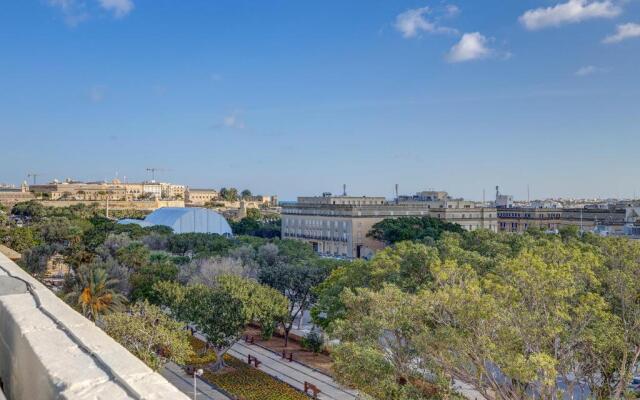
x=153 y=172
x=34 y=175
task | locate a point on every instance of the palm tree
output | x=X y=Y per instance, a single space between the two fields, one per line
x=94 y=293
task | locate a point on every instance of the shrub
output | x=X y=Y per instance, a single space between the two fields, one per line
x=314 y=341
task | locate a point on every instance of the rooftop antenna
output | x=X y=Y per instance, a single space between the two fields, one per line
x=397 y=195
x=34 y=175
x=528 y=194
x=153 y=172
x=344 y=189
x=497 y=192
x=483 y=196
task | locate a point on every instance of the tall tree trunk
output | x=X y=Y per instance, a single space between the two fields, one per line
x=301 y=317
x=627 y=371
x=286 y=334
x=219 y=363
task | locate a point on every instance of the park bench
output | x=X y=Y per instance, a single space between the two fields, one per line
x=313 y=388
x=287 y=357
x=249 y=339
x=254 y=360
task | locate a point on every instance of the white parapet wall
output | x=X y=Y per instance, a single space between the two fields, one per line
x=49 y=351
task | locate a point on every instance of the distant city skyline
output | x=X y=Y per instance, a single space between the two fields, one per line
x=293 y=98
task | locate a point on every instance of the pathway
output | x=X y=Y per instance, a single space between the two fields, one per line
x=178 y=378
x=293 y=373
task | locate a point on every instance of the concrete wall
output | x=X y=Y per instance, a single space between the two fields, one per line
x=117 y=205
x=49 y=351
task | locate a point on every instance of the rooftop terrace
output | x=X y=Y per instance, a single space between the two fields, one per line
x=49 y=351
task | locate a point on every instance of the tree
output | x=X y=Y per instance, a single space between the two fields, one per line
x=221 y=319
x=30 y=209
x=60 y=230
x=245 y=194
x=408 y=265
x=221 y=312
x=254 y=214
x=94 y=294
x=296 y=282
x=36 y=259
x=198 y=243
x=392 y=230
x=159 y=268
x=21 y=238
x=260 y=303
x=207 y=270
x=229 y=194
x=133 y=256
x=150 y=334
x=513 y=316
x=377 y=354
x=622 y=262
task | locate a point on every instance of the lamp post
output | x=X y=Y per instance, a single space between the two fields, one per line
x=196 y=373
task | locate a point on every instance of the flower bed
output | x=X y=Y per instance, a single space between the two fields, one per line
x=241 y=380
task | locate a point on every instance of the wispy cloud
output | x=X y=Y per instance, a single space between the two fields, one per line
x=623 y=32
x=472 y=46
x=233 y=121
x=73 y=12
x=589 y=70
x=413 y=22
x=119 y=8
x=77 y=11
x=97 y=93
x=572 y=11
x=452 y=10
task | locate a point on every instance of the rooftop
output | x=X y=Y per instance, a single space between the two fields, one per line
x=48 y=350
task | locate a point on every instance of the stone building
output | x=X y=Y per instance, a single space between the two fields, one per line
x=611 y=220
x=338 y=225
x=200 y=197
x=9 y=196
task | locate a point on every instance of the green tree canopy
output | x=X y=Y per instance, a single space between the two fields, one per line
x=393 y=230
x=150 y=334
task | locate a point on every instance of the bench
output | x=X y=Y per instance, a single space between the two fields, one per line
x=313 y=388
x=249 y=339
x=287 y=357
x=253 y=359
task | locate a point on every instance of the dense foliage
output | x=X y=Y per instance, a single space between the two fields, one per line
x=393 y=230
x=150 y=334
x=513 y=316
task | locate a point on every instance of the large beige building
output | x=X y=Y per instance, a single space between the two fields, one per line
x=338 y=225
x=518 y=219
x=114 y=190
x=11 y=195
x=200 y=197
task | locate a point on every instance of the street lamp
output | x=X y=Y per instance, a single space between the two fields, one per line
x=196 y=373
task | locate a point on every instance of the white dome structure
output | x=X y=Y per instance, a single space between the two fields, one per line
x=185 y=220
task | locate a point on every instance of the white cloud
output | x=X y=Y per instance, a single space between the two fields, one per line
x=77 y=11
x=74 y=12
x=472 y=46
x=411 y=22
x=572 y=11
x=623 y=31
x=452 y=10
x=233 y=121
x=588 y=70
x=97 y=93
x=120 y=8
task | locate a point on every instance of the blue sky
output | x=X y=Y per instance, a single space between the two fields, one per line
x=298 y=97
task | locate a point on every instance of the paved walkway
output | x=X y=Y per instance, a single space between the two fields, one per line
x=178 y=378
x=293 y=373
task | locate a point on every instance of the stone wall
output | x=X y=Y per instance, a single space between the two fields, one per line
x=49 y=351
